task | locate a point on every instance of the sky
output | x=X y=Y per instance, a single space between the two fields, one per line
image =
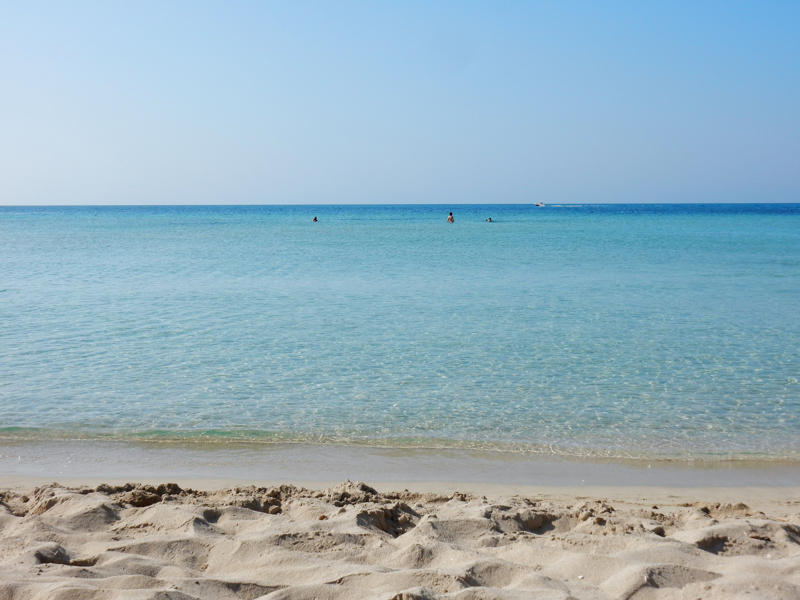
x=299 y=102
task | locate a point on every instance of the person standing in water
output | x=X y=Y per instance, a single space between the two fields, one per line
x=450 y=218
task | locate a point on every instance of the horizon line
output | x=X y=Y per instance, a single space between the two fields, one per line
x=533 y=204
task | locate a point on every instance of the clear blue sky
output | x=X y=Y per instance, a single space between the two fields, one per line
x=390 y=102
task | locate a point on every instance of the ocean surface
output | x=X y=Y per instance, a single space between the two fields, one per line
x=622 y=331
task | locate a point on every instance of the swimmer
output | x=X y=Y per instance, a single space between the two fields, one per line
x=450 y=218
x=314 y=220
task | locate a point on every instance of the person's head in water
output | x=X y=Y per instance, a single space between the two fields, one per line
x=314 y=220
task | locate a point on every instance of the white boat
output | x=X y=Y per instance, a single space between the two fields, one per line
x=540 y=204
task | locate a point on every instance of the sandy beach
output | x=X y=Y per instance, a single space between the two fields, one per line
x=351 y=540
x=400 y=300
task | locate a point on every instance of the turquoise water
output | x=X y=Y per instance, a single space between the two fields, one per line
x=664 y=331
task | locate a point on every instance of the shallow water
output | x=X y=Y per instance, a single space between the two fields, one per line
x=637 y=330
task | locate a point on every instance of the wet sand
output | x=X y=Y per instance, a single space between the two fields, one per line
x=312 y=464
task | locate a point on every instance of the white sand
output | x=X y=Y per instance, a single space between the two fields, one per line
x=350 y=541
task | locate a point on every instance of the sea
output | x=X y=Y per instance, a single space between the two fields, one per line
x=616 y=331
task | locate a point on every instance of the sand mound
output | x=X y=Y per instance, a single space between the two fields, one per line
x=351 y=542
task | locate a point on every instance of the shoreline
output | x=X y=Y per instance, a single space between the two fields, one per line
x=79 y=460
x=789 y=456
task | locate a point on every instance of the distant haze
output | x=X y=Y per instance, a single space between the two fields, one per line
x=396 y=102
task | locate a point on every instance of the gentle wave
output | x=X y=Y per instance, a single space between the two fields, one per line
x=232 y=438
